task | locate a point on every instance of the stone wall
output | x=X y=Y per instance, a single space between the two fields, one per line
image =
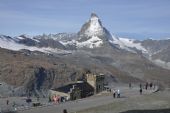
x=96 y=81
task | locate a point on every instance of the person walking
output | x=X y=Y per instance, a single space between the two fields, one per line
x=118 y=93
x=151 y=85
x=140 y=91
x=146 y=86
x=114 y=94
x=130 y=85
x=7 y=102
x=55 y=99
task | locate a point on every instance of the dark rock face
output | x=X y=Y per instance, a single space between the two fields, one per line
x=27 y=41
x=41 y=42
x=155 y=45
x=159 y=49
x=94 y=15
x=163 y=55
x=50 y=43
x=41 y=80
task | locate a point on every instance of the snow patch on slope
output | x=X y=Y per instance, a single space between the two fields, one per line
x=93 y=42
x=161 y=63
x=12 y=45
x=72 y=42
x=128 y=44
x=24 y=36
x=132 y=44
x=19 y=38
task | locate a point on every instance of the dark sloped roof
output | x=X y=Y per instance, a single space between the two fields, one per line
x=83 y=86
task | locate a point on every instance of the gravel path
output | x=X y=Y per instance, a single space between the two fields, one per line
x=91 y=102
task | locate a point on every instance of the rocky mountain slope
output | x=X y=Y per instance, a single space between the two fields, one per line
x=34 y=64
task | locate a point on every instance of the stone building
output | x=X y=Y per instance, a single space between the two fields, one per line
x=96 y=81
x=92 y=84
x=73 y=91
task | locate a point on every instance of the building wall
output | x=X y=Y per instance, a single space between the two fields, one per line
x=99 y=83
x=93 y=84
x=96 y=81
x=75 y=94
x=91 y=79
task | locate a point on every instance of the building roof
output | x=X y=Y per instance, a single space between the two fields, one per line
x=81 y=85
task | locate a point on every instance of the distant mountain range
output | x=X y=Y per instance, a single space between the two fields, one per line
x=92 y=48
x=144 y=35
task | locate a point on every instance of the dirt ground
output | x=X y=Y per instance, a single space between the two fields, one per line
x=105 y=103
x=158 y=102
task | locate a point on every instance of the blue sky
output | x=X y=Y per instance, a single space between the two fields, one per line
x=128 y=18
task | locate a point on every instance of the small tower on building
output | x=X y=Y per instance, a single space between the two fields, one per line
x=96 y=81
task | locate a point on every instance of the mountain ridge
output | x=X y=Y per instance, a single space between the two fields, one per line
x=91 y=35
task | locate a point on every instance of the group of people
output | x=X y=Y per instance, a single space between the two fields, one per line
x=146 y=86
x=151 y=85
x=57 y=99
x=116 y=93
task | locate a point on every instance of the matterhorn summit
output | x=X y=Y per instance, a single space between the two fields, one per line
x=93 y=28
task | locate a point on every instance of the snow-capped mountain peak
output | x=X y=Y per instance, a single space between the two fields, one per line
x=93 y=27
x=92 y=30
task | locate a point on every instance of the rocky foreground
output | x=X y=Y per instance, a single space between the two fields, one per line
x=158 y=102
x=130 y=102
